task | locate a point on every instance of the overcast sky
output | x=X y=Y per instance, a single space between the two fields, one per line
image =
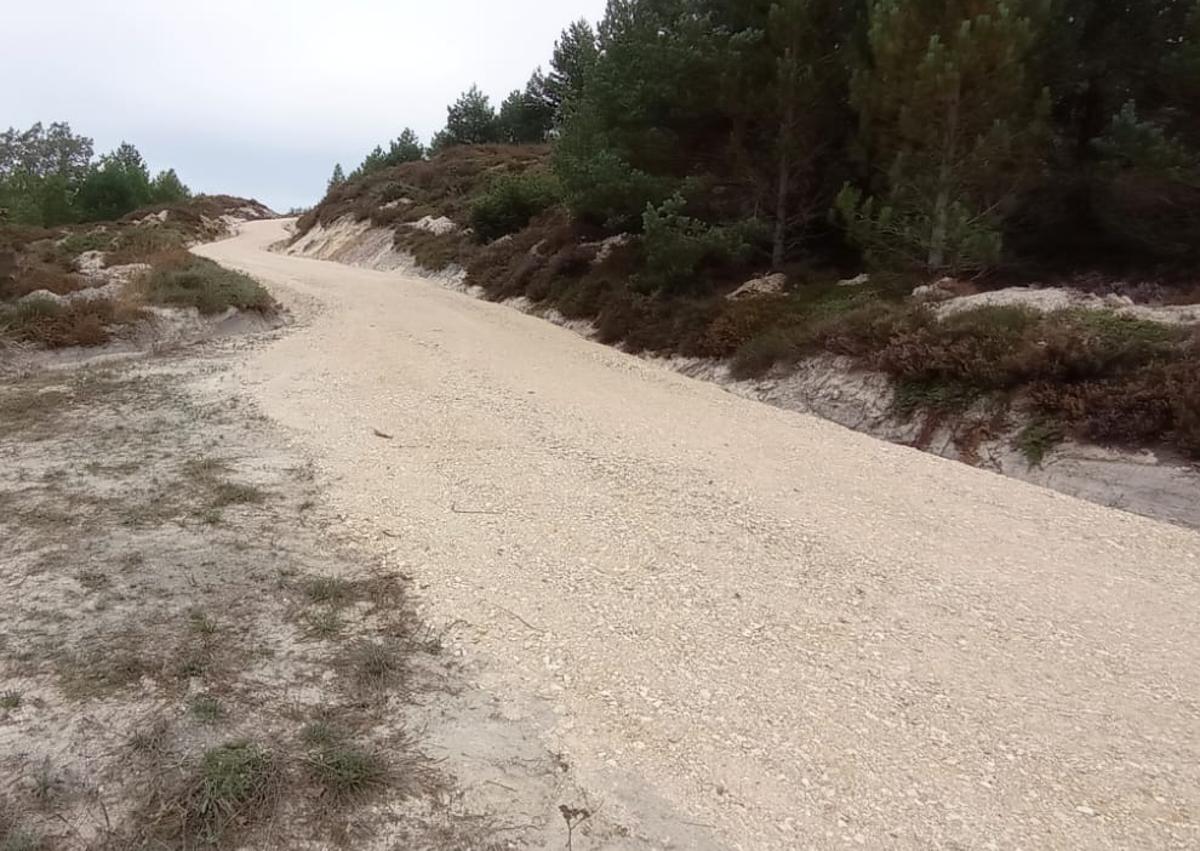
x=261 y=97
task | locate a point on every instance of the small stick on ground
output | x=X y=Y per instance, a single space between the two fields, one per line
x=573 y=817
x=518 y=617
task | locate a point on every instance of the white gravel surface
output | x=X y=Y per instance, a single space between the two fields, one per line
x=798 y=635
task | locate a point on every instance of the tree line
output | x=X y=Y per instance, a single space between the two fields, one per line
x=49 y=176
x=935 y=135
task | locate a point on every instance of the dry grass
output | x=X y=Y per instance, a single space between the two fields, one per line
x=345 y=772
x=87 y=322
x=229 y=790
x=108 y=663
x=25 y=409
x=374 y=667
x=206 y=709
x=327 y=589
x=169 y=633
x=325 y=624
x=435 y=252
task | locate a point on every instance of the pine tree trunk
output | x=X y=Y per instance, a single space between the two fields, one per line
x=779 y=242
x=941 y=207
x=786 y=127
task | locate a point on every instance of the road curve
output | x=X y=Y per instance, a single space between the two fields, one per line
x=797 y=635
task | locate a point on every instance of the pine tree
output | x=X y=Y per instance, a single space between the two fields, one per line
x=647 y=117
x=405 y=148
x=119 y=184
x=807 y=40
x=167 y=188
x=575 y=55
x=373 y=161
x=470 y=120
x=336 y=179
x=526 y=117
x=946 y=106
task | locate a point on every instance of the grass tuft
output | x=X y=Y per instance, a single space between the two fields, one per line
x=321 y=734
x=21 y=840
x=206 y=709
x=328 y=589
x=201 y=624
x=225 y=494
x=326 y=624
x=233 y=786
x=374 y=665
x=345 y=772
x=1037 y=439
x=151 y=740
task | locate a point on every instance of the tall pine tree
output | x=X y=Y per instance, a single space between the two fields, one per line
x=470 y=120
x=951 y=125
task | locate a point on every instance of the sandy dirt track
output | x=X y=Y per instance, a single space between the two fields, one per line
x=797 y=635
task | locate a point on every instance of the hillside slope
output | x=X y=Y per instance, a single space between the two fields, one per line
x=87 y=285
x=1090 y=386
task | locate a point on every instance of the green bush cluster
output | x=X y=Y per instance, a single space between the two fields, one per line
x=510 y=202
x=677 y=245
x=206 y=286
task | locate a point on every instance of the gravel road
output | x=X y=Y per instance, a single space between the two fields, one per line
x=796 y=635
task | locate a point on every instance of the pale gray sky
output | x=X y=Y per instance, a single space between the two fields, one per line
x=261 y=97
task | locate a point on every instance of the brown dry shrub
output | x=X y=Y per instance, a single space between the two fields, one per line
x=433 y=251
x=739 y=321
x=1160 y=404
x=31 y=275
x=80 y=323
x=168 y=259
x=504 y=267
x=139 y=243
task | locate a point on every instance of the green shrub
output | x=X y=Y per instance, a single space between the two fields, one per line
x=511 y=201
x=77 y=243
x=1143 y=145
x=757 y=355
x=1037 y=438
x=600 y=187
x=207 y=287
x=677 y=246
x=944 y=396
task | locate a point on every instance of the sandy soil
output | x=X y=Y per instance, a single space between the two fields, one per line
x=175 y=585
x=798 y=635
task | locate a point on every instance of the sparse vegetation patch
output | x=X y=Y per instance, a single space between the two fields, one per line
x=207 y=287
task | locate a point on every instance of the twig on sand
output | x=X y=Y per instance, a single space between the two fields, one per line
x=518 y=617
x=382 y=434
x=573 y=817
